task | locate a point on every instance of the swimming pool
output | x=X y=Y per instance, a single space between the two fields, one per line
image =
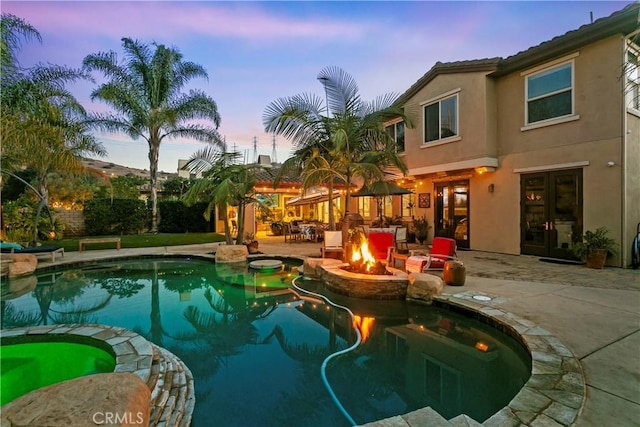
x=255 y=348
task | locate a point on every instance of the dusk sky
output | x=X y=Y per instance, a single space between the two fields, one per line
x=256 y=52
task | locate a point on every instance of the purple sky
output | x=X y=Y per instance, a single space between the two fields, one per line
x=256 y=52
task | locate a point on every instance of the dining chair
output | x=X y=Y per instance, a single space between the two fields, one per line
x=290 y=233
x=401 y=244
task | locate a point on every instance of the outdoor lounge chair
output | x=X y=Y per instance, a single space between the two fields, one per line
x=14 y=248
x=379 y=244
x=332 y=244
x=442 y=250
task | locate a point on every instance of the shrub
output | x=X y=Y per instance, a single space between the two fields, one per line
x=18 y=219
x=120 y=216
x=176 y=217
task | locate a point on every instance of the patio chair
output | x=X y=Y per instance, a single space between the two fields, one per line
x=401 y=245
x=14 y=248
x=379 y=244
x=442 y=250
x=332 y=244
x=290 y=233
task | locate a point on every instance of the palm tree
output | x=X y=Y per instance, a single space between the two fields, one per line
x=338 y=138
x=224 y=183
x=43 y=125
x=146 y=93
x=12 y=31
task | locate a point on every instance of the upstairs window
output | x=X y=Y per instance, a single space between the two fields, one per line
x=632 y=88
x=550 y=93
x=441 y=119
x=396 y=131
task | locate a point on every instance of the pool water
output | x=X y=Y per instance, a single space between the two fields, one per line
x=28 y=366
x=255 y=347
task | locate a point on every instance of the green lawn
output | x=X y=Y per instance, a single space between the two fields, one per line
x=143 y=240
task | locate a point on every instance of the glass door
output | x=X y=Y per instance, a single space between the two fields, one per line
x=534 y=236
x=551 y=213
x=452 y=212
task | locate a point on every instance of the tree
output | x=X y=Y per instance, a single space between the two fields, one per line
x=43 y=125
x=12 y=31
x=146 y=93
x=223 y=183
x=339 y=137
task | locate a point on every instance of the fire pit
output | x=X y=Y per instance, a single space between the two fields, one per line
x=364 y=276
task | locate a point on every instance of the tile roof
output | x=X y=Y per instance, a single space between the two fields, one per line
x=623 y=22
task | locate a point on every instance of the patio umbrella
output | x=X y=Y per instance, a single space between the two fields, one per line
x=380 y=189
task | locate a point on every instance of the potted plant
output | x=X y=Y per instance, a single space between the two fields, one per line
x=277 y=228
x=421 y=229
x=595 y=247
x=250 y=241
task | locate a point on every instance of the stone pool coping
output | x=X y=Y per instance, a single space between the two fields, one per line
x=556 y=390
x=132 y=352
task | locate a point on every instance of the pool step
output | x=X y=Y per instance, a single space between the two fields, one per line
x=172 y=392
x=424 y=417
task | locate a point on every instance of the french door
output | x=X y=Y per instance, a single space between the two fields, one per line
x=452 y=212
x=551 y=213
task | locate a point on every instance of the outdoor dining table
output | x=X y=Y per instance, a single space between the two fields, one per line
x=311 y=232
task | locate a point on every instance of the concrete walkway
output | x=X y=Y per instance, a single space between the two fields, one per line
x=595 y=313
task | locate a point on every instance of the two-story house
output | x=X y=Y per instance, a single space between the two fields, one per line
x=521 y=155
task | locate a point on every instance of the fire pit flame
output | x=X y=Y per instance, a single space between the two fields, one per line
x=361 y=257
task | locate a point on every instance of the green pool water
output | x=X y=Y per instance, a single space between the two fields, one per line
x=28 y=366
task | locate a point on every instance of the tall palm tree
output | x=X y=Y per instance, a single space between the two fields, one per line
x=146 y=93
x=12 y=31
x=339 y=137
x=43 y=125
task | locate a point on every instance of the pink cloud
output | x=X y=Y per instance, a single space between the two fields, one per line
x=177 y=20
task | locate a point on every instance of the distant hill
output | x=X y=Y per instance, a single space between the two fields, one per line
x=111 y=169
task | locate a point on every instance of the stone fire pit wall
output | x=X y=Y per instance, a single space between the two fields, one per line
x=368 y=286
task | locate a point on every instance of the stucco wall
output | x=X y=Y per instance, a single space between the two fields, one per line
x=473 y=118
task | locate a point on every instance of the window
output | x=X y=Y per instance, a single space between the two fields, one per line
x=407 y=205
x=632 y=88
x=396 y=131
x=387 y=208
x=550 y=93
x=441 y=119
x=364 y=206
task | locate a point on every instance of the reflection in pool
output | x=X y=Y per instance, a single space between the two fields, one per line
x=255 y=348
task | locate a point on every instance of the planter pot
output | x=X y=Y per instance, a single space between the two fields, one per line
x=596 y=258
x=253 y=248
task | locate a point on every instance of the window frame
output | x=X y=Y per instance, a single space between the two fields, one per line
x=632 y=78
x=572 y=89
x=438 y=100
x=393 y=127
